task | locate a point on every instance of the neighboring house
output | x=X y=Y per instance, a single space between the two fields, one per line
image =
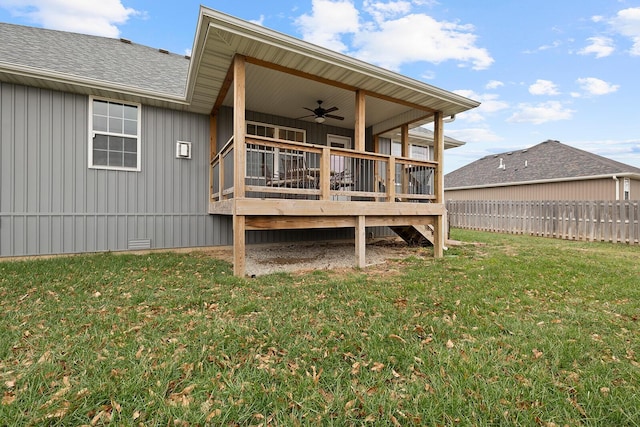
x=107 y=145
x=547 y=171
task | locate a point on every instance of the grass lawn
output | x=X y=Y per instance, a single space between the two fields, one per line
x=509 y=330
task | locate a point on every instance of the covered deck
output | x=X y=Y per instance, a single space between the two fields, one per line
x=271 y=180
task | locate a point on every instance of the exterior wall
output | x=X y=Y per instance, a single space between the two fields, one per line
x=316 y=134
x=594 y=189
x=51 y=202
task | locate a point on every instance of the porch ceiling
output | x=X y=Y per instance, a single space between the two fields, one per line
x=220 y=37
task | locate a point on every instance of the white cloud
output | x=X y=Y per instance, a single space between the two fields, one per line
x=541 y=113
x=419 y=37
x=544 y=47
x=627 y=23
x=99 y=18
x=381 y=11
x=594 y=86
x=392 y=36
x=328 y=21
x=543 y=87
x=489 y=104
x=622 y=150
x=259 y=21
x=493 y=84
x=428 y=75
x=474 y=134
x=600 y=46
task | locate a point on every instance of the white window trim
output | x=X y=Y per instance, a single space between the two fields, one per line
x=92 y=133
x=276 y=151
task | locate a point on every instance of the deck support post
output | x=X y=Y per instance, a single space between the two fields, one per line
x=438 y=156
x=361 y=242
x=239 y=246
x=239 y=131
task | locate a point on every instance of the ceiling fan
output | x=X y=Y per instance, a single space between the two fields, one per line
x=322 y=114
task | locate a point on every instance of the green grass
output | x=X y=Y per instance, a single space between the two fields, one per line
x=507 y=330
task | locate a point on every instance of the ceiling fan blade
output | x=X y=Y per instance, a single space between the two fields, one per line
x=304 y=117
x=331 y=110
x=331 y=116
x=309 y=109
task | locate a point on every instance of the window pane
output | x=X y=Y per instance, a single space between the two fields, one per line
x=100 y=123
x=115 y=159
x=100 y=158
x=115 y=125
x=116 y=110
x=100 y=142
x=130 y=145
x=130 y=112
x=130 y=127
x=116 y=143
x=100 y=107
x=130 y=160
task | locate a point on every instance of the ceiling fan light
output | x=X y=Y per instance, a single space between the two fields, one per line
x=319 y=119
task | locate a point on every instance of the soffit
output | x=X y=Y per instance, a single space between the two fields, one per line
x=220 y=37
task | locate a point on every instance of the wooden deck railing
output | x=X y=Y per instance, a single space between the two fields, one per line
x=285 y=169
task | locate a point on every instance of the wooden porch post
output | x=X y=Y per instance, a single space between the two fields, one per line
x=239 y=163
x=438 y=181
x=213 y=149
x=359 y=124
x=404 y=139
x=361 y=242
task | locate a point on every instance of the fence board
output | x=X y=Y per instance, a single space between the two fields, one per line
x=607 y=221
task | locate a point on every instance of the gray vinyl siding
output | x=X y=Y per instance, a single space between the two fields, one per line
x=51 y=202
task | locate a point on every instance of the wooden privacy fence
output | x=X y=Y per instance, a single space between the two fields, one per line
x=607 y=221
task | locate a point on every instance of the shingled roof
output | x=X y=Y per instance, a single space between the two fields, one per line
x=547 y=161
x=93 y=58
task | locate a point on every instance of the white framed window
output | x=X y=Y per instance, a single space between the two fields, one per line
x=114 y=134
x=627 y=189
x=270 y=162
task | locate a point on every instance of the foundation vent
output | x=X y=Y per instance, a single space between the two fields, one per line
x=139 y=244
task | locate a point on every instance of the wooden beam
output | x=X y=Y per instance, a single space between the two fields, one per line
x=239 y=127
x=224 y=89
x=298 y=222
x=361 y=242
x=395 y=126
x=239 y=261
x=225 y=207
x=322 y=208
x=359 y=124
x=438 y=156
x=213 y=136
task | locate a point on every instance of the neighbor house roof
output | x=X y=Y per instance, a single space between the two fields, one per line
x=284 y=74
x=547 y=161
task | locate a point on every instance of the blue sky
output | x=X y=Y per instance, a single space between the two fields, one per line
x=545 y=69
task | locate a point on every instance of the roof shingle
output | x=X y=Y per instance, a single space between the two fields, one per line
x=96 y=58
x=545 y=161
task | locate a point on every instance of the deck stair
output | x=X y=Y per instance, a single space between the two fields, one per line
x=415 y=235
